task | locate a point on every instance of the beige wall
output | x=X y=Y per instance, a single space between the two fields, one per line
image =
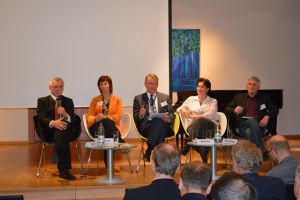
x=14 y=124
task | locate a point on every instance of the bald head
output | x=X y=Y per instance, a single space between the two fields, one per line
x=279 y=144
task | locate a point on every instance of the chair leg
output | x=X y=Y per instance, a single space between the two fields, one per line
x=89 y=161
x=42 y=156
x=225 y=158
x=129 y=161
x=140 y=157
x=83 y=171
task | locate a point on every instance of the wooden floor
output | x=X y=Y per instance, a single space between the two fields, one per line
x=19 y=164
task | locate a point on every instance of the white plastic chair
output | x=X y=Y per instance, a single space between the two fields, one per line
x=126 y=125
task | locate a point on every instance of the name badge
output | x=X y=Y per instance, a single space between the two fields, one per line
x=262 y=106
x=163 y=104
x=99 y=103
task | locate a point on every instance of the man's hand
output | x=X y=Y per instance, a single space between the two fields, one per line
x=62 y=112
x=166 y=118
x=184 y=113
x=59 y=124
x=143 y=111
x=264 y=121
x=238 y=110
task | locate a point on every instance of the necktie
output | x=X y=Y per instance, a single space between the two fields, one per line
x=151 y=100
x=56 y=112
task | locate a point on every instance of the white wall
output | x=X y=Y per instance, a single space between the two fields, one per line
x=244 y=38
x=79 y=40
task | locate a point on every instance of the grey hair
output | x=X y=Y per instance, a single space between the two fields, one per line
x=247 y=155
x=56 y=79
x=166 y=158
x=254 y=78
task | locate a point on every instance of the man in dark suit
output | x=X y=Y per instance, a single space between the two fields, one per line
x=195 y=181
x=165 y=161
x=56 y=115
x=153 y=114
x=233 y=186
x=253 y=112
x=247 y=159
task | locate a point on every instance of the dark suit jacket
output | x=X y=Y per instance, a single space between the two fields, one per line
x=142 y=100
x=263 y=101
x=46 y=113
x=193 y=196
x=159 y=189
x=268 y=188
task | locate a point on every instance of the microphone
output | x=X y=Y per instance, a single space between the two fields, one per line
x=59 y=103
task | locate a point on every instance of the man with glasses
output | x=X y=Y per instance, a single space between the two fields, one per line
x=279 y=151
x=153 y=114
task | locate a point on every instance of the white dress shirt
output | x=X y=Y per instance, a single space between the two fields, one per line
x=208 y=109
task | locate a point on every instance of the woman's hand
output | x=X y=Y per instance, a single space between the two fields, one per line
x=100 y=117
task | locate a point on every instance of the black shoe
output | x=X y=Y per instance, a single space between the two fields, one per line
x=67 y=175
x=147 y=155
x=185 y=150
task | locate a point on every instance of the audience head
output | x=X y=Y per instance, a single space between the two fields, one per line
x=233 y=186
x=297 y=183
x=151 y=83
x=105 y=84
x=56 y=86
x=195 y=177
x=203 y=83
x=247 y=157
x=278 y=148
x=253 y=85
x=165 y=159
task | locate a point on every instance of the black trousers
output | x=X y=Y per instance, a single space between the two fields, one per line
x=61 y=139
x=203 y=128
x=156 y=130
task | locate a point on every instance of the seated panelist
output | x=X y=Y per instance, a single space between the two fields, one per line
x=58 y=123
x=105 y=108
x=153 y=114
x=197 y=115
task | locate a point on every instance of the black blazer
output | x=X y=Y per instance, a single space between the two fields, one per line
x=268 y=188
x=265 y=106
x=159 y=189
x=46 y=113
x=193 y=196
x=142 y=100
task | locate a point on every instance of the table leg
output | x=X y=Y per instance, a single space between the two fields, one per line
x=214 y=162
x=110 y=170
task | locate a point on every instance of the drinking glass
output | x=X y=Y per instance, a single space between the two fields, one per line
x=116 y=137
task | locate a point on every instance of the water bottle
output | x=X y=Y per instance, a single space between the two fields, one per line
x=101 y=134
x=218 y=136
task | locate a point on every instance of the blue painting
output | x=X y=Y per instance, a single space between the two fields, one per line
x=185 y=59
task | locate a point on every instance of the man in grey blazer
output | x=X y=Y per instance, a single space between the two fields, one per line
x=153 y=114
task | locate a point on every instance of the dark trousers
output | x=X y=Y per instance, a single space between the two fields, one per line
x=250 y=130
x=109 y=127
x=203 y=128
x=61 y=141
x=156 y=130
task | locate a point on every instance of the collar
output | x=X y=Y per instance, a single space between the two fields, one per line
x=53 y=97
x=285 y=159
x=154 y=95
